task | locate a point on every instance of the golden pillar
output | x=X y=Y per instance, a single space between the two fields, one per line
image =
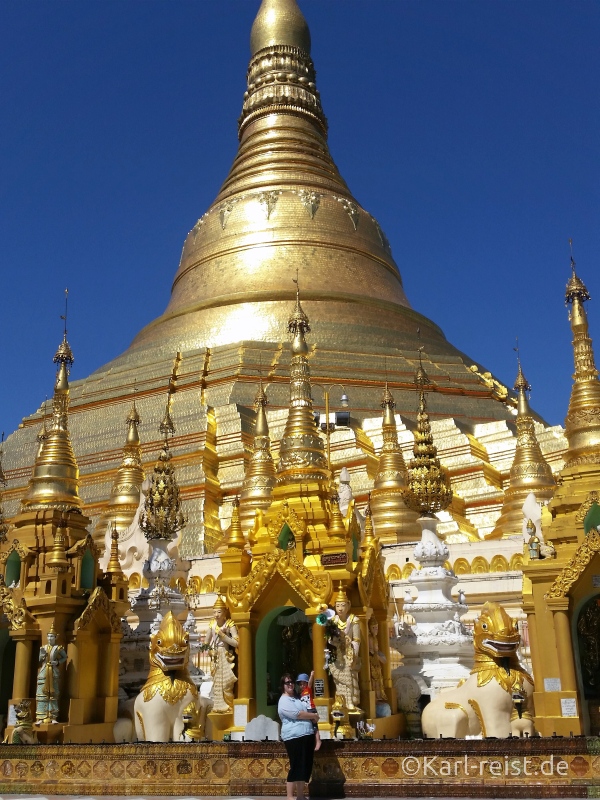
x=534 y=649
x=245 y=660
x=318 y=644
x=566 y=664
x=367 y=695
x=22 y=676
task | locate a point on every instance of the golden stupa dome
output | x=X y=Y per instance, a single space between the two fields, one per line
x=284 y=207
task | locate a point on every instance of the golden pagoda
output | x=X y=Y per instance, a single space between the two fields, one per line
x=125 y=493
x=393 y=519
x=257 y=489
x=428 y=488
x=530 y=472
x=283 y=210
x=301 y=547
x=52 y=584
x=560 y=593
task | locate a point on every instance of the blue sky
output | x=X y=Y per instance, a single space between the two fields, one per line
x=468 y=128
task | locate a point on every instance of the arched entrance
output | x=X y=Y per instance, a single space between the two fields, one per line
x=283 y=644
x=588 y=651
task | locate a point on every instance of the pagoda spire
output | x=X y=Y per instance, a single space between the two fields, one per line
x=3 y=484
x=428 y=488
x=279 y=22
x=582 y=425
x=125 y=493
x=55 y=479
x=530 y=472
x=301 y=452
x=257 y=489
x=162 y=517
x=394 y=521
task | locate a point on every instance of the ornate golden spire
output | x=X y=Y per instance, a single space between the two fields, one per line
x=337 y=529
x=3 y=484
x=301 y=452
x=582 y=425
x=279 y=22
x=235 y=537
x=57 y=559
x=395 y=522
x=114 y=565
x=530 y=472
x=162 y=517
x=281 y=75
x=125 y=493
x=428 y=485
x=257 y=490
x=55 y=479
x=369 y=537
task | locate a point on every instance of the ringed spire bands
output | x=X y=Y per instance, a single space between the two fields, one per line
x=285 y=205
x=582 y=425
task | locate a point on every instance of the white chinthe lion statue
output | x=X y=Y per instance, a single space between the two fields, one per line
x=496 y=699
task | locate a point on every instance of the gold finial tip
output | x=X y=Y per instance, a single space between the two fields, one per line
x=387 y=401
x=64 y=354
x=279 y=22
x=576 y=288
x=521 y=383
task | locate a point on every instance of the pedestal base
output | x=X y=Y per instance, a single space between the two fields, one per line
x=220 y=724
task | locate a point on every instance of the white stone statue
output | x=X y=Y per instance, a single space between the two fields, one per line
x=345 y=666
x=169 y=689
x=47 y=694
x=344 y=491
x=497 y=697
x=222 y=640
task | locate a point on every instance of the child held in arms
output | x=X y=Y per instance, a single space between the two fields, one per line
x=305 y=684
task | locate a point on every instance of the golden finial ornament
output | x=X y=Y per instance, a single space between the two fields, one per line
x=162 y=517
x=235 y=537
x=341 y=596
x=369 y=537
x=301 y=451
x=220 y=603
x=114 y=564
x=125 y=493
x=582 y=425
x=55 y=479
x=428 y=485
x=257 y=489
x=337 y=529
x=394 y=520
x=530 y=472
x=279 y=22
x=57 y=560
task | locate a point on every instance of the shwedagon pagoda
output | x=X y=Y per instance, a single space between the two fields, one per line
x=322 y=482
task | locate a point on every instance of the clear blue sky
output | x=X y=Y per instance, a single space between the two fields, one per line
x=469 y=129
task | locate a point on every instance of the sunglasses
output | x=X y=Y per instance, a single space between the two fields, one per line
x=288 y=683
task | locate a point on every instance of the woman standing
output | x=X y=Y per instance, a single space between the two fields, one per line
x=297 y=732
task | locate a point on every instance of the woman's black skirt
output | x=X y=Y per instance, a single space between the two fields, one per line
x=300 y=752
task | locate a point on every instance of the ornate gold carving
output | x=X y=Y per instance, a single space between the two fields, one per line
x=98 y=602
x=310 y=200
x=475 y=706
x=15 y=608
x=571 y=573
x=170 y=644
x=456 y=705
x=315 y=590
x=593 y=497
x=428 y=484
x=351 y=209
x=268 y=201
